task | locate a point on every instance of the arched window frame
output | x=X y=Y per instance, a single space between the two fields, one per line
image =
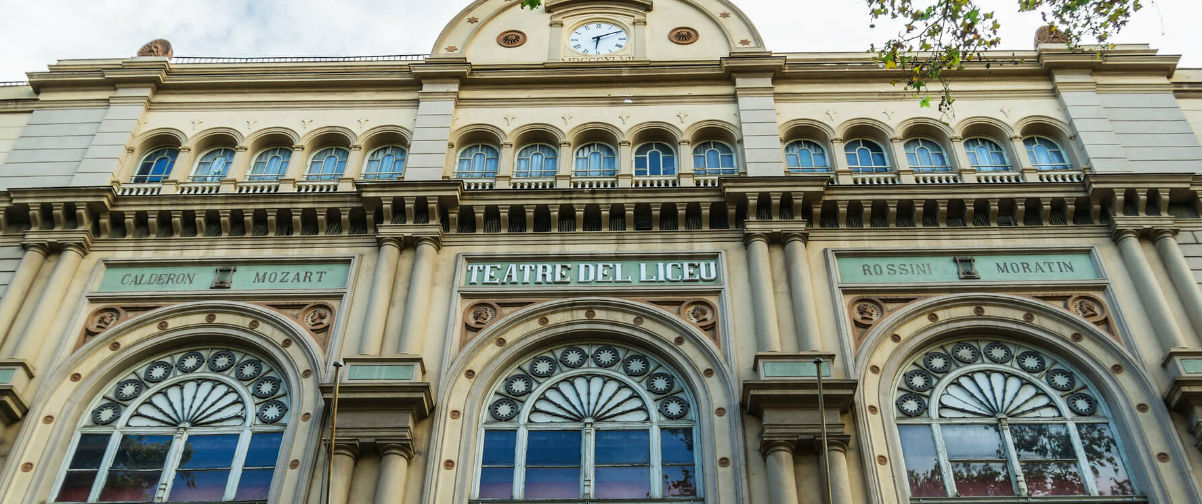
x=655 y=159
x=270 y=164
x=866 y=156
x=537 y=161
x=714 y=158
x=1046 y=154
x=328 y=164
x=1041 y=391
x=927 y=156
x=213 y=165
x=477 y=161
x=155 y=395
x=155 y=166
x=386 y=163
x=806 y=156
x=997 y=158
x=596 y=160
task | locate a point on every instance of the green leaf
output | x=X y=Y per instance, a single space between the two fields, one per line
x=925 y=102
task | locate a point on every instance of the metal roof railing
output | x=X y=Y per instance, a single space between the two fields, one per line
x=296 y=59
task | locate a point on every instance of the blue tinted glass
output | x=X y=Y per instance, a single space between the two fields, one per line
x=142 y=452
x=208 y=452
x=130 y=486
x=676 y=446
x=498 y=447
x=76 y=486
x=254 y=484
x=199 y=485
x=680 y=481
x=552 y=483
x=973 y=442
x=89 y=450
x=496 y=483
x=264 y=449
x=623 y=482
x=623 y=447
x=553 y=448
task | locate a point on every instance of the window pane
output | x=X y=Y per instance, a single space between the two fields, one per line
x=973 y=442
x=552 y=483
x=199 y=485
x=623 y=447
x=498 y=447
x=496 y=483
x=1042 y=442
x=264 y=449
x=680 y=481
x=623 y=482
x=136 y=486
x=553 y=448
x=1102 y=455
x=676 y=446
x=142 y=452
x=922 y=462
x=76 y=486
x=254 y=484
x=89 y=451
x=208 y=452
x=982 y=478
x=1053 y=478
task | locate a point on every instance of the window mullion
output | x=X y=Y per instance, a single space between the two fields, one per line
x=1091 y=484
x=102 y=472
x=657 y=461
x=945 y=465
x=519 y=464
x=231 y=483
x=1019 y=481
x=588 y=461
x=170 y=465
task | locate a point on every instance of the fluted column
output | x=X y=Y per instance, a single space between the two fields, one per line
x=18 y=287
x=840 y=481
x=345 y=455
x=381 y=296
x=46 y=311
x=782 y=482
x=1148 y=290
x=394 y=466
x=1182 y=277
x=417 y=303
x=759 y=274
x=805 y=316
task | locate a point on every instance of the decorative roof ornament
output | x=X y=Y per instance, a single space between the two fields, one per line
x=157 y=47
x=1048 y=34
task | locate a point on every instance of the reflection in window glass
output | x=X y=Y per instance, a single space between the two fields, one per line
x=213 y=166
x=623 y=460
x=922 y=462
x=679 y=463
x=1102 y=452
x=155 y=166
x=552 y=464
x=496 y=473
x=204 y=467
x=255 y=483
x=1048 y=461
x=979 y=465
x=136 y=468
x=81 y=473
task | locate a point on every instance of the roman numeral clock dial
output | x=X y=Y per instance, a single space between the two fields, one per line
x=598 y=39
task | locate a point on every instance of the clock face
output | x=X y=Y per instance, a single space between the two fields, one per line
x=598 y=38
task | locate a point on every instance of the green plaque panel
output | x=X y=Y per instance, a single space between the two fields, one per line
x=381 y=372
x=1192 y=366
x=550 y=273
x=980 y=267
x=6 y=375
x=243 y=277
x=793 y=369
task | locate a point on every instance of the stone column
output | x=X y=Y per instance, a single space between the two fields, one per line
x=805 y=317
x=417 y=304
x=782 y=482
x=298 y=164
x=394 y=466
x=381 y=296
x=345 y=455
x=759 y=274
x=625 y=164
x=34 y=338
x=18 y=287
x=1182 y=277
x=1149 y=291
x=840 y=481
x=505 y=165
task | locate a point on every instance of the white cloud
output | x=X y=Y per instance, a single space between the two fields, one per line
x=35 y=34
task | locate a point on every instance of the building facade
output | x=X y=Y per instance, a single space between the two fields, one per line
x=605 y=251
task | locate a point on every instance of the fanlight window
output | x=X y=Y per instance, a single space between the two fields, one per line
x=596 y=160
x=714 y=158
x=537 y=161
x=385 y=163
x=203 y=424
x=926 y=156
x=328 y=164
x=654 y=160
x=589 y=422
x=995 y=418
x=270 y=164
x=1046 y=154
x=213 y=165
x=477 y=161
x=865 y=156
x=156 y=166
x=985 y=155
x=806 y=156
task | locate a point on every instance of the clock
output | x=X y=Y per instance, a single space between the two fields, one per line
x=598 y=38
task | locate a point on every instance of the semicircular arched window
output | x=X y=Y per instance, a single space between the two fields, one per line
x=595 y=160
x=656 y=159
x=328 y=164
x=200 y=424
x=865 y=156
x=537 y=161
x=155 y=166
x=926 y=156
x=985 y=417
x=714 y=158
x=477 y=162
x=802 y=156
x=589 y=422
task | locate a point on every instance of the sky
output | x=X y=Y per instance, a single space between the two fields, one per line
x=34 y=34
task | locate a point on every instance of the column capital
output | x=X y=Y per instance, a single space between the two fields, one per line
x=402 y=447
x=431 y=240
x=79 y=240
x=391 y=241
x=349 y=448
x=750 y=238
x=1161 y=233
x=796 y=236
x=42 y=248
x=770 y=446
x=1120 y=234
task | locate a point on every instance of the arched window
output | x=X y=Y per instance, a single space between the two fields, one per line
x=385 y=163
x=590 y=422
x=270 y=164
x=155 y=166
x=328 y=164
x=926 y=156
x=477 y=161
x=202 y=424
x=987 y=417
x=985 y=155
x=714 y=158
x=596 y=160
x=537 y=161
x=806 y=156
x=654 y=160
x=213 y=165
x=865 y=156
x=1046 y=154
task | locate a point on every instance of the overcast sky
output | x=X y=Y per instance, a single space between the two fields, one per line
x=34 y=33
